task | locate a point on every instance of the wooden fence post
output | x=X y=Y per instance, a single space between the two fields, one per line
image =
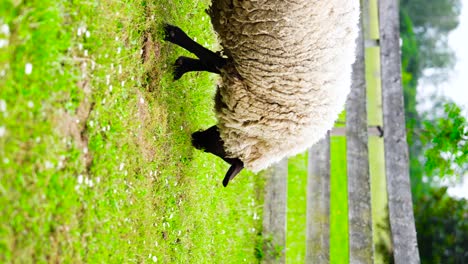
x=395 y=144
x=361 y=248
x=318 y=203
x=274 y=213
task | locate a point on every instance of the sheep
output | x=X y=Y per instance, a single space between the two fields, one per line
x=285 y=71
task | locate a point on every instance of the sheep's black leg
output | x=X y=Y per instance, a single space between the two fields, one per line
x=186 y=64
x=210 y=141
x=177 y=36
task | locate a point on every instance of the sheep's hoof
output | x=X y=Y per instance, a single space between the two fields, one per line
x=179 y=68
x=236 y=166
x=171 y=33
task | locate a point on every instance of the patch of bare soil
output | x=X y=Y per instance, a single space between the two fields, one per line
x=147 y=148
x=150 y=55
x=74 y=125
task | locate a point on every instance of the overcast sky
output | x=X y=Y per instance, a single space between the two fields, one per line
x=456 y=87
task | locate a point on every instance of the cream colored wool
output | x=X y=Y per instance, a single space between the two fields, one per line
x=288 y=76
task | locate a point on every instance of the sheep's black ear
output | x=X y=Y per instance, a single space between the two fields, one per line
x=236 y=167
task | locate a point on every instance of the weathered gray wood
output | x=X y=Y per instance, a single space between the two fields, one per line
x=274 y=213
x=361 y=248
x=396 y=149
x=371 y=131
x=318 y=203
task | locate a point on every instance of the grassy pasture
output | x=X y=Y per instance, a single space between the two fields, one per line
x=96 y=163
x=95 y=157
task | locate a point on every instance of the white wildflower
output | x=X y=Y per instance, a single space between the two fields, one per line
x=80 y=179
x=5 y=29
x=48 y=165
x=122 y=165
x=28 y=68
x=155 y=259
x=3 y=43
x=3 y=106
x=88 y=34
x=119 y=49
x=78 y=32
x=2 y=131
x=30 y=104
x=142 y=100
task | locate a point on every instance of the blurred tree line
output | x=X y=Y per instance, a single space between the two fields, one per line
x=437 y=138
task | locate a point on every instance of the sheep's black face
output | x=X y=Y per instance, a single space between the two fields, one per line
x=210 y=141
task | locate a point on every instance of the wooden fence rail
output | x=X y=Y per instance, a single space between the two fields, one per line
x=358 y=133
x=396 y=149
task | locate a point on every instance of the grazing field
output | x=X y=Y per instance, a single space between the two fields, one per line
x=96 y=164
x=95 y=157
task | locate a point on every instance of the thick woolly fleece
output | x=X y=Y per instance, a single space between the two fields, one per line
x=288 y=74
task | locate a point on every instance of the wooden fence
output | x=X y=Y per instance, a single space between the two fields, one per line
x=360 y=129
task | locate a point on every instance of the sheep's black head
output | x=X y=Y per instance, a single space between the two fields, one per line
x=210 y=141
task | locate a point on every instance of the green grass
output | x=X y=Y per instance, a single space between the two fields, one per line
x=297 y=208
x=95 y=157
x=96 y=162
